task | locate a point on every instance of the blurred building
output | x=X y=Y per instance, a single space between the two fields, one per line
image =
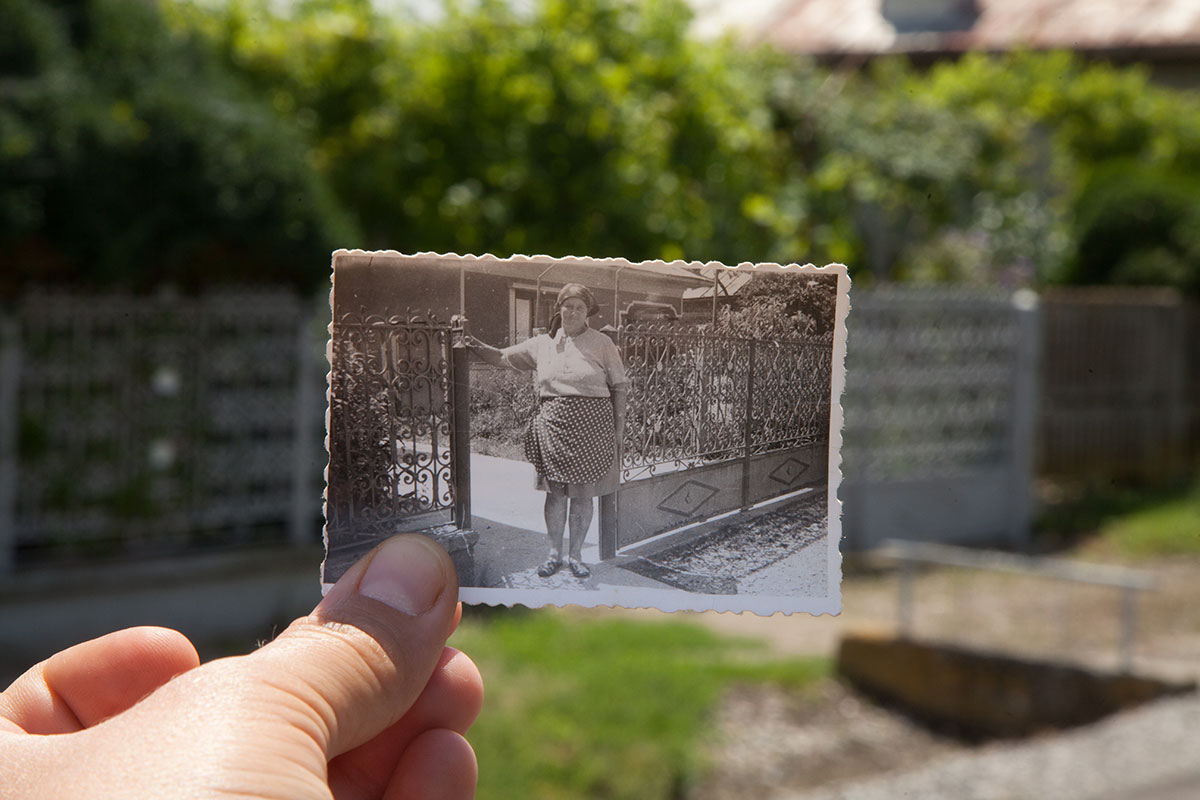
x=1163 y=34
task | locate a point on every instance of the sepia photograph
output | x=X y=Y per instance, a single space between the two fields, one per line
x=592 y=431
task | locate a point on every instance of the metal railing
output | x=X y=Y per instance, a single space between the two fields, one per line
x=1130 y=582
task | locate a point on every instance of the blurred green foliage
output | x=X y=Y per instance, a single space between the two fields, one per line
x=128 y=155
x=1138 y=225
x=1057 y=126
x=200 y=141
x=589 y=126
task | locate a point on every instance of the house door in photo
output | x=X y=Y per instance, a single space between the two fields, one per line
x=521 y=307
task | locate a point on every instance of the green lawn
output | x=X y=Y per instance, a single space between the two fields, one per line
x=1170 y=527
x=603 y=707
x=1127 y=523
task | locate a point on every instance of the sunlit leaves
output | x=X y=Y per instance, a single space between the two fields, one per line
x=595 y=126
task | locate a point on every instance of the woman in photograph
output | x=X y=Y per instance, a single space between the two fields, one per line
x=580 y=417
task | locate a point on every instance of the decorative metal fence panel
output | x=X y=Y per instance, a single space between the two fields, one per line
x=687 y=399
x=690 y=391
x=715 y=423
x=153 y=424
x=143 y=425
x=791 y=393
x=391 y=424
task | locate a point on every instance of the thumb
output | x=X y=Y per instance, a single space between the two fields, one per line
x=355 y=665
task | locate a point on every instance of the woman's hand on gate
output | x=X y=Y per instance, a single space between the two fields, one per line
x=359 y=699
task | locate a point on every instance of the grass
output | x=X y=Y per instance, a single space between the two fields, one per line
x=1128 y=522
x=1171 y=527
x=604 y=707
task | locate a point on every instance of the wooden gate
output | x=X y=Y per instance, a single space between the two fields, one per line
x=715 y=423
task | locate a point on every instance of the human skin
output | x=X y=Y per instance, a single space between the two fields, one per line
x=359 y=699
x=574 y=316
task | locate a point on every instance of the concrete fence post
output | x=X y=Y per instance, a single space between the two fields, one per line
x=1023 y=431
x=10 y=383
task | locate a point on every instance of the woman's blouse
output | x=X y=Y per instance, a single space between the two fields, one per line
x=587 y=365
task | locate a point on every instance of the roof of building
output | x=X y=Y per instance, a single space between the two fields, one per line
x=730 y=283
x=869 y=27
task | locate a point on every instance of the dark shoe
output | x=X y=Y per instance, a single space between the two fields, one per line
x=578 y=568
x=551 y=566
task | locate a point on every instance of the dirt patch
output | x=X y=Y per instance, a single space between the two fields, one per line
x=769 y=739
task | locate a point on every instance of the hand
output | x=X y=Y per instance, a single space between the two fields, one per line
x=360 y=699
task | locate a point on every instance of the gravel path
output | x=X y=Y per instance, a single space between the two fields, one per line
x=769 y=738
x=1152 y=753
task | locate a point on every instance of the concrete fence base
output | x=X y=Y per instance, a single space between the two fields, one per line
x=223 y=599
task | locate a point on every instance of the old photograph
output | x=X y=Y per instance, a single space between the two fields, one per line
x=592 y=431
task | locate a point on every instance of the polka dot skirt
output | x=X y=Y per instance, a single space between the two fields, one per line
x=572 y=440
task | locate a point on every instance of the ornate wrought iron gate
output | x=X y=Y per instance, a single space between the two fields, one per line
x=715 y=423
x=399 y=445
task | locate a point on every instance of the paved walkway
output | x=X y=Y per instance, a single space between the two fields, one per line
x=503 y=490
x=506 y=512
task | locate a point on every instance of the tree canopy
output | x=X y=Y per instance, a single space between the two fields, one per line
x=572 y=127
x=192 y=142
x=130 y=156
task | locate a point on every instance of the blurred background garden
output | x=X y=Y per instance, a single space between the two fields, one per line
x=174 y=176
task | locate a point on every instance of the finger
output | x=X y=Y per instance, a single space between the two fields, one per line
x=354 y=666
x=451 y=700
x=92 y=681
x=438 y=764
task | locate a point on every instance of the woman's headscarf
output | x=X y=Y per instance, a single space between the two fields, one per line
x=579 y=292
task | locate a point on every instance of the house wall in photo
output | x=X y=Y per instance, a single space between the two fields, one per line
x=501 y=298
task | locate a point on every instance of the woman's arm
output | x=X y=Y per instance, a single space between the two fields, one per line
x=491 y=355
x=620 y=399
